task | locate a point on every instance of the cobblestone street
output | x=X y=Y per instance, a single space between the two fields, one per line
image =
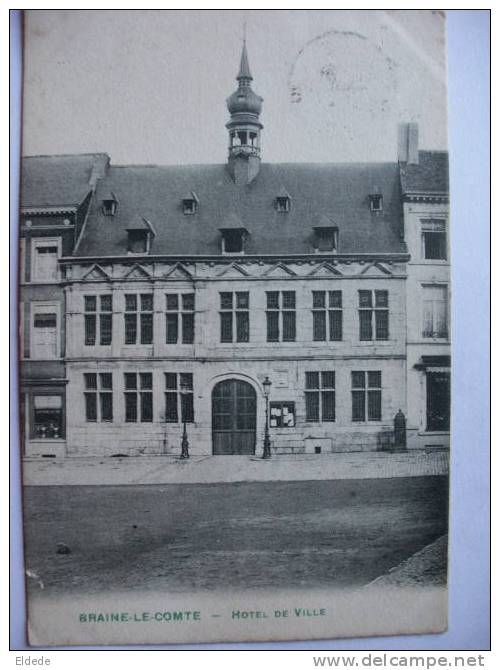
x=220 y=536
x=220 y=469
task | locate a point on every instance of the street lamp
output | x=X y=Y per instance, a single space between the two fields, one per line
x=267 y=442
x=184 y=444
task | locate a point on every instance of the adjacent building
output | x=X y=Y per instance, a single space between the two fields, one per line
x=158 y=298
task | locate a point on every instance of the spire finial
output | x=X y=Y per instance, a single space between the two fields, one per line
x=244 y=32
x=244 y=72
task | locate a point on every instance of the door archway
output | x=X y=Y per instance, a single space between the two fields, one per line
x=234 y=418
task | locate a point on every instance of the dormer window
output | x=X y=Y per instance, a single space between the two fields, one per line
x=283 y=201
x=283 y=204
x=189 y=203
x=139 y=239
x=325 y=239
x=376 y=202
x=109 y=205
x=233 y=240
x=137 y=242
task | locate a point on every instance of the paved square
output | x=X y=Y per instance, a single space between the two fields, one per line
x=188 y=537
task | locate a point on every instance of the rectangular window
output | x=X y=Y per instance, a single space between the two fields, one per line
x=47 y=417
x=137 y=241
x=233 y=240
x=138 y=318
x=98 y=396
x=45 y=253
x=366 y=395
x=180 y=317
x=179 y=400
x=282 y=204
x=234 y=316
x=373 y=315
x=376 y=202
x=325 y=239
x=434 y=239
x=138 y=397
x=44 y=333
x=320 y=396
x=281 y=316
x=435 y=311
x=98 y=313
x=327 y=317
x=189 y=206
x=282 y=414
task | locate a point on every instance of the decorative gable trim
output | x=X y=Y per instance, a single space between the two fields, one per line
x=434 y=198
x=234 y=266
x=282 y=267
x=378 y=266
x=178 y=271
x=137 y=272
x=328 y=267
x=96 y=273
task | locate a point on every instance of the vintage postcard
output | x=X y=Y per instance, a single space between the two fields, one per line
x=234 y=321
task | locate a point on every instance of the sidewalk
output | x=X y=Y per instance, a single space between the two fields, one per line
x=218 y=469
x=428 y=566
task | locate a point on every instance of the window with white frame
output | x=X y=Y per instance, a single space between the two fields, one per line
x=98 y=319
x=179 y=399
x=283 y=204
x=373 y=315
x=320 y=396
x=376 y=202
x=138 y=241
x=44 y=331
x=44 y=256
x=280 y=316
x=138 y=397
x=139 y=318
x=190 y=204
x=234 y=316
x=233 y=240
x=179 y=317
x=435 y=311
x=47 y=417
x=327 y=315
x=326 y=239
x=366 y=395
x=98 y=396
x=434 y=239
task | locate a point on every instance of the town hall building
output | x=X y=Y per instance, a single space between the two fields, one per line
x=211 y=300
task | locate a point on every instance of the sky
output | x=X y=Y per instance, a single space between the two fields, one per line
x=149 y=86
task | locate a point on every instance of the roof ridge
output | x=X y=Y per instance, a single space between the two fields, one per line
x=96 y=153
x=359 y=164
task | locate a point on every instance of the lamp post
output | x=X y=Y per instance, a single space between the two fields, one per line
x=184 y=444
x=267 y=442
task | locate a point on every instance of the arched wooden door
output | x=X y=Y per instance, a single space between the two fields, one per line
x=234 y=418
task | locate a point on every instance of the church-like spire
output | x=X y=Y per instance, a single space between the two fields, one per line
x=244 y=72
x=244 y=126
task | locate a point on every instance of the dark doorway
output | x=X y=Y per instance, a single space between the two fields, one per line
x=234 y=418
x=438 y=401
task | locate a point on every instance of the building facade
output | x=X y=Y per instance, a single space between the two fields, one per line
x=164 y=297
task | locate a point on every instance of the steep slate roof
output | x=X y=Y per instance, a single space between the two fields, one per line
x=51 y=181
x=430 y=175
x=337 y=192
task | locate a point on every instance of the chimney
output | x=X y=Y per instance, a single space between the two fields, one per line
x=99 y=169
x=408 y=143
